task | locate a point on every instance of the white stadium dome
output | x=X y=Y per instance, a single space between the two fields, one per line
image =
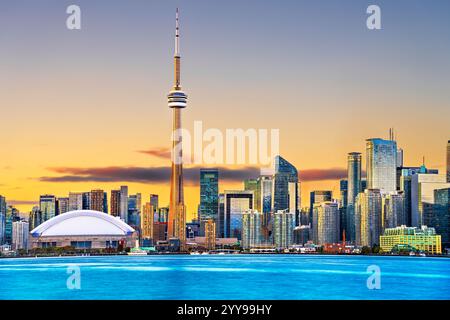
x=83 y=223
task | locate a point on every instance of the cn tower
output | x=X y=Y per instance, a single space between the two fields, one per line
x=177 y=101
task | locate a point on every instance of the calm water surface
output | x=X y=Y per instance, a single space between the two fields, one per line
x=226 y=277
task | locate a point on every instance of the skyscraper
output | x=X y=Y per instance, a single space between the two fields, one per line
x=252 y=223
x=440 y=218
x=283 y=229
x=75 y=201
x=254 y=185
x=134 y=209
x=368 y=219
x=115 y=203
x=318 y=196
x=209 y=194
x=327 y=229
x=154 y=201
x=124 y=203
x=422 y=194
x=97 y=198
x=147 y=221
x=354 y=188
x=393 y=210
x=286 y=189
x=236 y=203
x=47 y=205
x=12 y=215
x=381 y=164
x=62 y=205
x=20 y=230
x=210 y=234
x=448 y=161
x=2 y=219
x=177 y=100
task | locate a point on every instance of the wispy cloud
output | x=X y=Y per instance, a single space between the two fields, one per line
x=142 y=174
x=163 y=153
x=323 y=174
x=21 y=202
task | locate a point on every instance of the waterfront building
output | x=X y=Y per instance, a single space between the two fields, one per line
x=252 y=223
x=124 y=203
x=20 y=231
x=424 y=239
x=381 y=164
x=440 y=218
x=62 y=205
x=209 y=194
x=177 y=102
x=422 y=194
x=235 y=204
x=115 y=203
x=75 y=201
x=83 y=229
x=283 y=229
x=285 y=188
x=368 y=219
x=354 y=188
x=147 y=221
x=393 y=214
x=2 y=219
x=210 y=234
x=47 y=205
x=327 y=217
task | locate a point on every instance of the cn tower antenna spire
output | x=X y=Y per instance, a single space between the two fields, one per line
x=177 y=34
x=177 y=59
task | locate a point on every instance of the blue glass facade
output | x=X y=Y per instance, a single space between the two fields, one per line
x=209 y=194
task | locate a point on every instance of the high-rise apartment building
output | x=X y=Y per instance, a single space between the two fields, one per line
x=210 y=234
x=63 y=205
x=318 y=196
x=97 y=200
x=354 y=188
x=47 y=205
x=381 y=164
x=154 y=201
x=12 y=215
x=115 y=203
x=147 y=221
x=393 y=210
x=124 y=203
x=326 y=223
x=368 y=220
x=134 y=209
x=20 y=231
x=252 y=227
x=2 y=219
x=283 y=229
x=254 y=185
x=75 y=201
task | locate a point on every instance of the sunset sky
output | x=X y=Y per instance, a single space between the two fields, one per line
x=85 y=109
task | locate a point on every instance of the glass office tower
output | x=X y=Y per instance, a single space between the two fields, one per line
x=209 y=194
x=354 y=187
x=381 y=164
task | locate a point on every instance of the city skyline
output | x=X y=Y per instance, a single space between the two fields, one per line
x=72 y=158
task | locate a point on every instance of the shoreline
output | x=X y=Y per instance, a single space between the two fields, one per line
x=234 y=254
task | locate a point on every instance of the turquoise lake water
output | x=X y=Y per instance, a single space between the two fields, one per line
x=225 y=277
